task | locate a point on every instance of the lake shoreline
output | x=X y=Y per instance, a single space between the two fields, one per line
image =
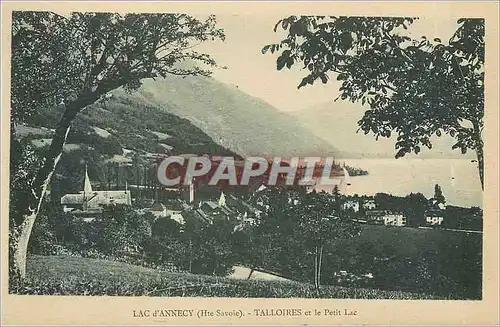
x=458 y=178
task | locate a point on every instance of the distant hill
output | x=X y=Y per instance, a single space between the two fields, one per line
x=118 y=140
x=232 y=118
x=123 y=125
x=336 y=123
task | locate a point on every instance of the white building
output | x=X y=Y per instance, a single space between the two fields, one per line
x=369 y=204
x=434 y=218
x=178 y=218
x=351 y=204
x=393 y=219
x=386 y=218
x=89 y=201
x=158 y=210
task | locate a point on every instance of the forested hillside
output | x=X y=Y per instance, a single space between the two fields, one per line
x=116 y=139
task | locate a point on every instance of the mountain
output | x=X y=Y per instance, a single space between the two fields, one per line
x=118 y=139
x=123 y=125
x=336 y=123
x=232 y=118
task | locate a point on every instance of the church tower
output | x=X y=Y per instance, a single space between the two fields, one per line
x=87 y=189
x=222 y=200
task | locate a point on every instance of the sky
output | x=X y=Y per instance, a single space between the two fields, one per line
x=256 y=74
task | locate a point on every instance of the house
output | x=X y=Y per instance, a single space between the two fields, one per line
x=201 y=215
x=171 y=211
x=244 y=221
x=309 y=184
x=385 y=217
x=351 y=204
x=369 y=204
x=434 y=217
x=394 y=219
x=239 y=207
x=210 y=207
x=91 y=202
x=158 y=210
x=213 y=208
x=250 y=209
x=178 y=218
x=376 y=216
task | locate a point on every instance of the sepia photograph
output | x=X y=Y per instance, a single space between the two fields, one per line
x=271 y=155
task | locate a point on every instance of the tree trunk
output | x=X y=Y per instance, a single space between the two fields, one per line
x=251 y=272
x=480 y=162
x=316 y=264
x=479 y=151
x=215 y=267
x=320 y=261
x=21 y=248
x=110 y=175
x=39 y=186
x=190 y=255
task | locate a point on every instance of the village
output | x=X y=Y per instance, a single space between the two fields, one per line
x=89 y=203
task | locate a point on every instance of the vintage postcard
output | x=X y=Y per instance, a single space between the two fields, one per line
x=250 y=163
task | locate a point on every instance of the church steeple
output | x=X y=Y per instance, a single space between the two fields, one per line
x=222 y=200
x=87 y=187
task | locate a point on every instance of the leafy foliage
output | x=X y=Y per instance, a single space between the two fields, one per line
x=56 y=58
x=438 y=195
x=24 y=160
x=120 y=229
x=283 y=241
x=293 y=229
x=74 y=61
x=70 y=62
x=415 y=88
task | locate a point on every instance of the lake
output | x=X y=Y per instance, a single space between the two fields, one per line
x=458 y=178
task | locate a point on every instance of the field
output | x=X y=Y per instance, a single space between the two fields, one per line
x=66 y=275
x=407 y=241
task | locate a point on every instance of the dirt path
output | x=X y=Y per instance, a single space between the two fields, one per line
x=241 y=272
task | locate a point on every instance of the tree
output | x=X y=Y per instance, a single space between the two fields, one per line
x=121 y=229
x=415 y=88
x=414 y=207
x=207 y=248
x=438 y=195
x=259 y=245
x=337 y=197
x=216 y=247
x=299 y=227
x=320 y=223
x=74 y=61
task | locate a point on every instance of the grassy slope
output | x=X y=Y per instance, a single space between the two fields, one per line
x=141 y=127
x=82 y=276
x=412 y=241
x=125 y=122
x=409 y=241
